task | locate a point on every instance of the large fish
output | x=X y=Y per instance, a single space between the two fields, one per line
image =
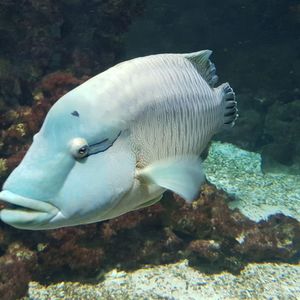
x=117 y=142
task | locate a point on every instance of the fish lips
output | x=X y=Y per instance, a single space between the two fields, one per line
x=23 y=212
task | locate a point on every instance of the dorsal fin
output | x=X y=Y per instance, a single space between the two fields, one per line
x=204 y=66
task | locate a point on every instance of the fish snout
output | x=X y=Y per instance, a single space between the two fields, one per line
x=23 y=212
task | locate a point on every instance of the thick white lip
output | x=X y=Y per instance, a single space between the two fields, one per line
x=27 y=203
x=29 y=212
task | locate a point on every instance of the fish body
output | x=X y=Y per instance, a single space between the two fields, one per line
x=117 y=142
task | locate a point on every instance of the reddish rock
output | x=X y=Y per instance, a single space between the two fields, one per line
x=71 y=249
x=16 y=269
x=206 y=249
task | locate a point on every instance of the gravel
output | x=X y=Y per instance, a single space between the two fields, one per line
x=180 y=282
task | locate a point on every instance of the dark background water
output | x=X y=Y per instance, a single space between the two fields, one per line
x=256 y=47
x=256 y=43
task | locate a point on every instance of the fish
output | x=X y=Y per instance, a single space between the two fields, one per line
x=118 y=141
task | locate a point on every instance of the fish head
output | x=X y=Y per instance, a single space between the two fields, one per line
x=77 y=169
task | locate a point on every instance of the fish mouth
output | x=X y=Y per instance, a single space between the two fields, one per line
x=23 y=212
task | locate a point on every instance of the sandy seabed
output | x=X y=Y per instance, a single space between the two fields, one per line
x=180 y=282
x=256 y=194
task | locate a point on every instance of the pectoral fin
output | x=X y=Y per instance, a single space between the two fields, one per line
x=182 y=175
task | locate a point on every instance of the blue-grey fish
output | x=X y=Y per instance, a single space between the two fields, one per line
x=117 y=142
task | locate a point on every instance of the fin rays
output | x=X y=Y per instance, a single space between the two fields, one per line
x=205 y=67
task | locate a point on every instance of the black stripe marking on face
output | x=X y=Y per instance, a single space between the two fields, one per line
x=75 y=113
x=101 y=146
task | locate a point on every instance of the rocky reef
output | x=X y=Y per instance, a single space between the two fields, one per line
x=40 y=37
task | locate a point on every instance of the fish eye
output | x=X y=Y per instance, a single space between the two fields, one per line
x=79 y=148
x=83 y=150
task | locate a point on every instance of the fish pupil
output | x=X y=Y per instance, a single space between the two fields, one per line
x=82 y=150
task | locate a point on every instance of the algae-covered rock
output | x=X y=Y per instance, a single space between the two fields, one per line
x=40 y=37
x=16 y=269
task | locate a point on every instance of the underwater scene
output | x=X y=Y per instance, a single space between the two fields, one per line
x=173 y=174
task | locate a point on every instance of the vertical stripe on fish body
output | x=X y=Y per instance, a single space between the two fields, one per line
x=174 y=108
